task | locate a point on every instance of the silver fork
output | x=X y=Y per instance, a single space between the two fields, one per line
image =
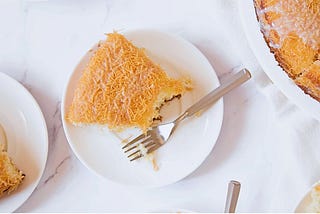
x=158 y=135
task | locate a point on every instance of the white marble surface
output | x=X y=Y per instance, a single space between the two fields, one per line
x=41 y=42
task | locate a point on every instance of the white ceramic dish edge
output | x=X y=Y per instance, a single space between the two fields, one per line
x=270 y=65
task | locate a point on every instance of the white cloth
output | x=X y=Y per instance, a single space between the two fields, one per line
x=296 y=147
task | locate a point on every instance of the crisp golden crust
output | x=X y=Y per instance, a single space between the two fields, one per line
x=295 y=56
x=292 y=31
x=309 y=81
x=121 y=87
x=10 y=176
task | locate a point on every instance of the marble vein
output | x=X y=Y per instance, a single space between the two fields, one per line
x=108 y=7
x=56 y=171
x=56 y=124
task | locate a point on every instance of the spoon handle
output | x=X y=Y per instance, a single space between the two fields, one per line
x=232 y=196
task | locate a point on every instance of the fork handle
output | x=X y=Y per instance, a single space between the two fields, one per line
x=233 y=82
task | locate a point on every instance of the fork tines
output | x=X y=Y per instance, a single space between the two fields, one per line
x=140 y=146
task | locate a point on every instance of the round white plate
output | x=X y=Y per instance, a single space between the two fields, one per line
x=100 y=150
x=270 y=65
x=27 y=137
x=304 y=204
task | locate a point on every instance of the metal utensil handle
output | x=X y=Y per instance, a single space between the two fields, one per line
x=234 y=81
x=232 y=196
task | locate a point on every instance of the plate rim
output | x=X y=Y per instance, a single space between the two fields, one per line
x=270 y=65
x=28 y=95
x=132 y=30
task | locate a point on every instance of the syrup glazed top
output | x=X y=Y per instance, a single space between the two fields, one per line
x=291 y=29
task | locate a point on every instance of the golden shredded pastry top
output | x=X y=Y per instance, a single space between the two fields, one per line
x=121 y=87
x=10 y=176
x=292 y=30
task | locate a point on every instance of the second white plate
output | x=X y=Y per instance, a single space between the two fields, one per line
x=100 y=150
x=27 y=137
